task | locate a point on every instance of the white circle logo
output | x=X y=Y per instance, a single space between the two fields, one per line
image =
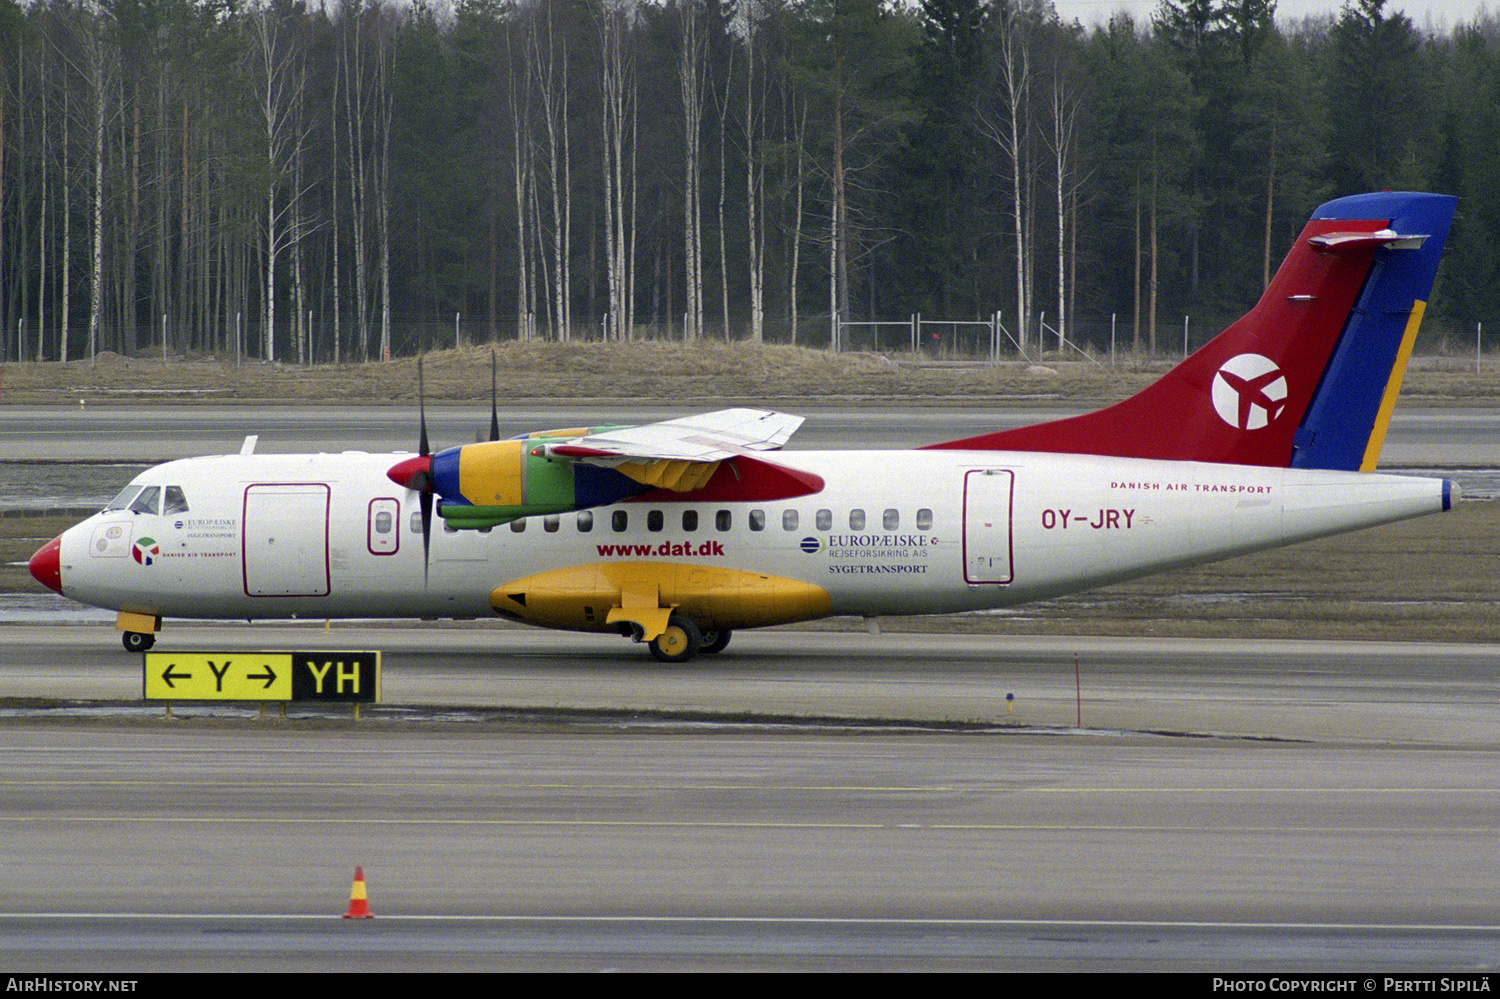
x=1249 y=391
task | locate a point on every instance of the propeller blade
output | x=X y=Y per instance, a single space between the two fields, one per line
x=494 y=402
x=424 y=451
x=425 y=497
x=422 y=445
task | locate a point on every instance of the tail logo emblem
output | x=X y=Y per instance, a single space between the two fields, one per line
x=1249 y=391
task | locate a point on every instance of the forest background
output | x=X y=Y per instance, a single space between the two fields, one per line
x=366 y=179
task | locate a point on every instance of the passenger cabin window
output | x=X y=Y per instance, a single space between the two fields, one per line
x=550 y=523
x=690 y=520
x=585 y=521
x=723 y=520
x=789 y=520
x=890 y=520
x=924 y=519
x=856 y=520
x=620 y=520
x=416 y=522
x=176 y=501
x=147 y=501
x=518 y=526
x=757 y=520
x=824 y=520
x=655 y=520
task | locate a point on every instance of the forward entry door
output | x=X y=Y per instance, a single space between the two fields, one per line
x=286 y=540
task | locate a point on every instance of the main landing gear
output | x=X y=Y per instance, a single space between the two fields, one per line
x=714 y=640
x=682 y=641
x=679 y=642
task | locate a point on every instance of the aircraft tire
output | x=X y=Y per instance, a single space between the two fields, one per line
x=137 y=641
x=679 y=643
x=714 y=641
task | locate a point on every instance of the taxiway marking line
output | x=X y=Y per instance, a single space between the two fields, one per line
x=563 y=786
x=1185 y=924
x=471 y=784
x=667 y=824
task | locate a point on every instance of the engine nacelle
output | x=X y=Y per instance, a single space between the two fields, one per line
x=495 y=482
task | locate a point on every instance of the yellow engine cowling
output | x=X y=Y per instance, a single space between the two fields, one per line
x=599 y=597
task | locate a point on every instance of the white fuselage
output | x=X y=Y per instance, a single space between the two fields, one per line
x=901 y=532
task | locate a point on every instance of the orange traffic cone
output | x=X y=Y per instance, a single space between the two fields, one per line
x=359 y=902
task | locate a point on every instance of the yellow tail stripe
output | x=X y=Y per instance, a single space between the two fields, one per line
x=1392 y=388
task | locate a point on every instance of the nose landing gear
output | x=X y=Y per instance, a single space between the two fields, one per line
x=136 y=641
x=137 y=631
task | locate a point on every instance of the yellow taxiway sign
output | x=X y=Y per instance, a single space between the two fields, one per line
x=262 y=676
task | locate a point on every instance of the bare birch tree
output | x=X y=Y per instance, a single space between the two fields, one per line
x=692 y=73
x=617 y=122
x=1008 y=125
x=755 y=179
x=279 y=78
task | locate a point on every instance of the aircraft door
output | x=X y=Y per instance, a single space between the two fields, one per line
x=988 y=496
x=286 y=540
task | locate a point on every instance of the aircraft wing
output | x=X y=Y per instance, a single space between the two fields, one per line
x=682 y=454
x=702 y=438
x=712 y=456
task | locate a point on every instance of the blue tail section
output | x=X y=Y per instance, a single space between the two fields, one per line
x=1345 y=423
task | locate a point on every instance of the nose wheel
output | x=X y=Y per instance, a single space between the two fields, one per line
x=137 y=641
x=680 y=641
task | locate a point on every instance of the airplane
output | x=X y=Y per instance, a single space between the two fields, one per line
x=678 y=533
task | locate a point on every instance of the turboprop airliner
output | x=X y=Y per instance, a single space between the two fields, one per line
x=677 y=533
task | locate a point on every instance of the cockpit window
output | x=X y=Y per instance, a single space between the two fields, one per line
x=123 y=498
x=176 y=501
x=147 y=501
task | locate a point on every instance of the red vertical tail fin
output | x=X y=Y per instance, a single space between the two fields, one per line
x=1307 y=377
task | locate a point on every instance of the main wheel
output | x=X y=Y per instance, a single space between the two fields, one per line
x=714 y=640
x=137 y=641
x=679 y=643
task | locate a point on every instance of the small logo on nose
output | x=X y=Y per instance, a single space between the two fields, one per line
x=146 y=550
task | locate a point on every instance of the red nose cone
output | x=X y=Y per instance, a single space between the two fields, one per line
x=46 y=565
x=413 y=473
